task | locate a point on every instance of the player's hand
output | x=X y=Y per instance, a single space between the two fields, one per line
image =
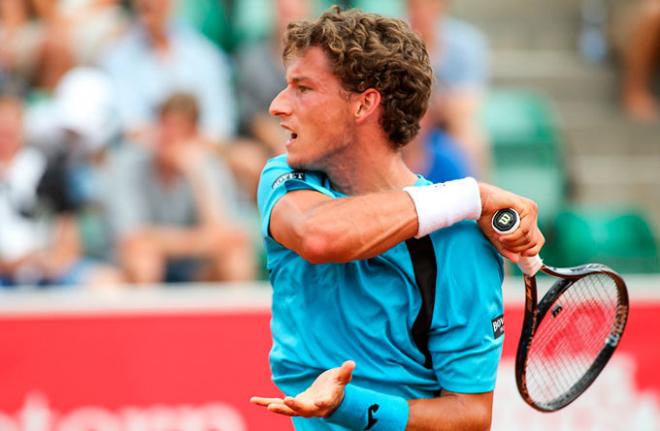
x=319 y=400
x=527 y=240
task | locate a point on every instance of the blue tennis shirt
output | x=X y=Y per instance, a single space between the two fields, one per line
x=421 y=317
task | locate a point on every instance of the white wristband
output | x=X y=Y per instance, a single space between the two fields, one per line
x=441 y=205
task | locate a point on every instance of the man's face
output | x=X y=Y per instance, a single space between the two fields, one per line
x=11 y=128
x=175 y=128
x=153 y=14
x=315 y=110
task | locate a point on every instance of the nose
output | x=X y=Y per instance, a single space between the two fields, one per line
x=280 y=106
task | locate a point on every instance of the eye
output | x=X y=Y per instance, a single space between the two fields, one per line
x=303 y=89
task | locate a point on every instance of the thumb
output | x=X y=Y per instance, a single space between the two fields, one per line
x=345 y=372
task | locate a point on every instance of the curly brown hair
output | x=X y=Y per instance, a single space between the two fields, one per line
x=371 y=51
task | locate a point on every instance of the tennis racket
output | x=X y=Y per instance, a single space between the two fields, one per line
x=569 y=336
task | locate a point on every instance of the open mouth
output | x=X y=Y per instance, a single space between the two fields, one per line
x=292 y=137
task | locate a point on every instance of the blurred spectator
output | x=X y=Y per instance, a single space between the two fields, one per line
x=39 y=240
x=172 y=207
x=55 y=56
x=93 y=25
x=157 y=58
x=435 y=155
x=637 y=36
x=261 y=77
x=85 y=126
x=20 y=41
x=459 y=54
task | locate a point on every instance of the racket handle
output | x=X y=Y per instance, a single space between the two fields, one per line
x=507 y=221
x=530 y=265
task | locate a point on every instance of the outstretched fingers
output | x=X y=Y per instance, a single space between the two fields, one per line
x=265 y=401
x=275 y=405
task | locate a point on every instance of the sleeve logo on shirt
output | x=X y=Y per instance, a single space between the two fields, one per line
x=498 y=326
x=288 y=176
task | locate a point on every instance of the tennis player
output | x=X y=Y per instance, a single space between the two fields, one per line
x=379 y=277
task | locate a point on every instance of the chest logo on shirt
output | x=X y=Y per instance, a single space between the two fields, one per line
x=372 y=420
x=288 y=176
x=498 y=326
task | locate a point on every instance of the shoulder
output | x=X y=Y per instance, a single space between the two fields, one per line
x=277 y=172
x=462 y=247
x=278 y=178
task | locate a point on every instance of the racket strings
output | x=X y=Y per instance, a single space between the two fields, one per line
x=571 y=335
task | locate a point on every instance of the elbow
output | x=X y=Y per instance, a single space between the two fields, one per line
x=318 y=245
x=315 y=248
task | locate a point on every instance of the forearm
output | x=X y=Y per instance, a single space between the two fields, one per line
x=450 y=413
x=173 y=242
x=65 y=247
x=342 y=230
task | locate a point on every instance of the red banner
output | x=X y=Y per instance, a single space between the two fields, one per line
x=196 y=370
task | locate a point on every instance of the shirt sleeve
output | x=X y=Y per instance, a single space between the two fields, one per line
x=277 y=179
x=467 y=332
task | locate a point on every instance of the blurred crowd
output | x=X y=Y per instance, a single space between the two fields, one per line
x=133 y=133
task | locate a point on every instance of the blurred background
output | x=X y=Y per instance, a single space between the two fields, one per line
x=132 y=136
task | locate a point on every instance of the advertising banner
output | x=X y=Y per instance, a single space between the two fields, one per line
x=193 y=367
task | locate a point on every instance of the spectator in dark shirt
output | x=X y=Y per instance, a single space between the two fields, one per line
x=172 y=207
x=39 y=238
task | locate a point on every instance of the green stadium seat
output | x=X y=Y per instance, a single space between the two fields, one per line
x=209 y=17
x=544 y=184
x=521 y=126
x=252 y=21
x=618 y=237
x=527 y=150
x=520 y=118
x=392 y=8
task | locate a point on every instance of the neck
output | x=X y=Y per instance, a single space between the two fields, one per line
x=414 y=155
x=166 y=173
x=369 y=167
x=159 y=41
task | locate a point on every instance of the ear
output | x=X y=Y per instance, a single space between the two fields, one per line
x=366 y=104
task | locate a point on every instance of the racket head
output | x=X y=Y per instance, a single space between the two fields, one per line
x=576 y=328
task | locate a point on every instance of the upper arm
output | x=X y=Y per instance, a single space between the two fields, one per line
x=284 y=197
x=288 y=216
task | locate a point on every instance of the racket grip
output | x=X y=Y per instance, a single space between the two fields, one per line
x=530 y=265
x=507 y=221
